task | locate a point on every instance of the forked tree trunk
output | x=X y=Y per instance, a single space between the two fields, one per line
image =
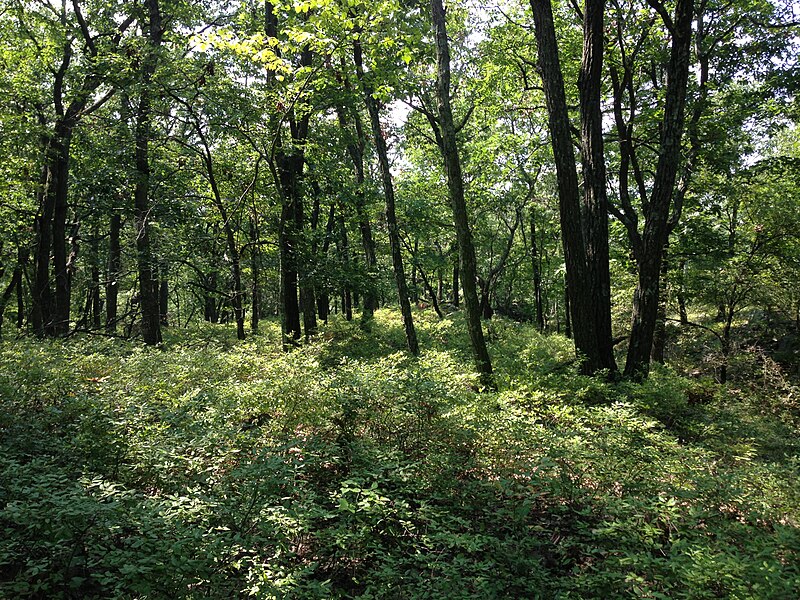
x=582 y=311
x=656 y=228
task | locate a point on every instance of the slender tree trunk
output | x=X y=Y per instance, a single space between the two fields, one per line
x=163 y=296
x=355 y=149
x=22 y=260
x=255 y=289
x=230 y=241
x=455 y=184
x=323 y=299
x=456 y=284
x=660 y=334
x=15 y=283
x=388 y=192
x=656 y=228
x=148 y=288
x=537 y=275
x=113 y=272
x=684 y=314
x=347 y=298
x=567 y=311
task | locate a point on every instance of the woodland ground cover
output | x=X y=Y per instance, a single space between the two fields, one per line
x=349 y=469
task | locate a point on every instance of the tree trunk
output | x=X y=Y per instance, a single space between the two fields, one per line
x=567 y=311
x=578 y=300
x=323 y=300
x=388 y=192
x=347 y=298
x=113 y=272
x=455 y=184
x=148 y=288
x=595 y=202
x=537 y=275
x=656 y=228
x=41 y=299
x=255 y=289
x=15 y=283
x=163 y=297
x=61 y=309
x=456 y=285
x=355 y=149
x=660 y=334
x=230 y=241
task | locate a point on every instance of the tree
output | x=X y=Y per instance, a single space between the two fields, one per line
x=446 y=135
x=584 y=230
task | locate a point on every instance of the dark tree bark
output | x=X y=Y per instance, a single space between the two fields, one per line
x=595 y=202
x=660 y=334
x=230 y=240
x=323 y=299
x=41 y=302
x=50 y=313
x=14 y=284
x=255 y=272
x=60 y=168
x=567 y=311
x=388 y=193
x=163 y=296
x=456 y=284
x=148 y=286
x=286 y=163
x=455 y=184
x=578 y=231
x=537 y=275
x=113 y=272
x=682 y=312
x=344 y=250
x=657 y=213
x=355 y=148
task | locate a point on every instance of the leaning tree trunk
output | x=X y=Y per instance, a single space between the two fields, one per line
x=388 y=192
x=455 y=184
x=148 y=287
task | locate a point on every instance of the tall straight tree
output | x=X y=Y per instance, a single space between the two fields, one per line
x=455 y=185
x=148 y=270
x=388 y=193
x=584 y=232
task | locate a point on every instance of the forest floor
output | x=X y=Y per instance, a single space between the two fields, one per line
x=347 y=469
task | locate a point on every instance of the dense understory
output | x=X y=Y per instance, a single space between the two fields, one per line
x=349 y=469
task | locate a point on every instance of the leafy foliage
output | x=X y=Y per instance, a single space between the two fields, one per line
x=347 y=469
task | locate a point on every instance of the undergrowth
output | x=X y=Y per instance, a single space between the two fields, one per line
x=348 y=469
